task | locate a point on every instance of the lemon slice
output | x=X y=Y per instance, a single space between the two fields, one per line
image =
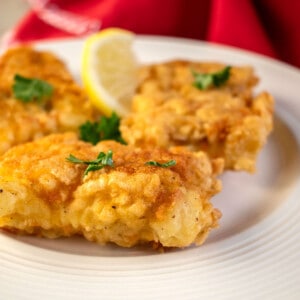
x=109 y=70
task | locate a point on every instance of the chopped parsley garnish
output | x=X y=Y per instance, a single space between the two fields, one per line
x=102 y=160
x=107 y=128
x=31 y=89
x=205 y=80
x=170 y=163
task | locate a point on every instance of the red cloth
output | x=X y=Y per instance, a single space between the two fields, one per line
x=268 y=27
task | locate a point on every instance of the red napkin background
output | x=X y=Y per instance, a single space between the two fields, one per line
x=268 y=27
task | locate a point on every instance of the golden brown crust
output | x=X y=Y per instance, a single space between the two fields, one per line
x=31 y=63
x=127 y=204
x=169 y=110
x=20 y=122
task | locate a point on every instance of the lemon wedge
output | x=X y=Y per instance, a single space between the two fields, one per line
x=109 y=70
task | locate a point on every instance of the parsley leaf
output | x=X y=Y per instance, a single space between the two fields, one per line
x=205 y=80
x=89 y=132
x=31 y=89
x=170 y=163
x=107 y=128
x=100 y=162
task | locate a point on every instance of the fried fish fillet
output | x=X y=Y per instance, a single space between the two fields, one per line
x=41 y=193
x=227 y=121
x=20 y=122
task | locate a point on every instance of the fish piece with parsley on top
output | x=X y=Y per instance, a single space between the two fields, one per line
x=108 y=192
x=38 y=96
x=203 y=106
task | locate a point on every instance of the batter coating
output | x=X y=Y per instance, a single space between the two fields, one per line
x=128 y=204
x=225 y=121
x=21 y=122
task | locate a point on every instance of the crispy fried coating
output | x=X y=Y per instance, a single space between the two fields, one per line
x=41 y=193
x=20 y=122
x=31 y=63
x=225 y=121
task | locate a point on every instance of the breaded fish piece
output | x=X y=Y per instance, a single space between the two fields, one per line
x=226 y=121
x=41 y=193
x=21 y=122
x=28 y=62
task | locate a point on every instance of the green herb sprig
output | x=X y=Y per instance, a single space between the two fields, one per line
x=205 y=80
x=31 y=89
x=107 y=128
x=102 y=160
x=168 y=164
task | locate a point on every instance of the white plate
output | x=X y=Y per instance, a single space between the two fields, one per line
x=254 y=255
